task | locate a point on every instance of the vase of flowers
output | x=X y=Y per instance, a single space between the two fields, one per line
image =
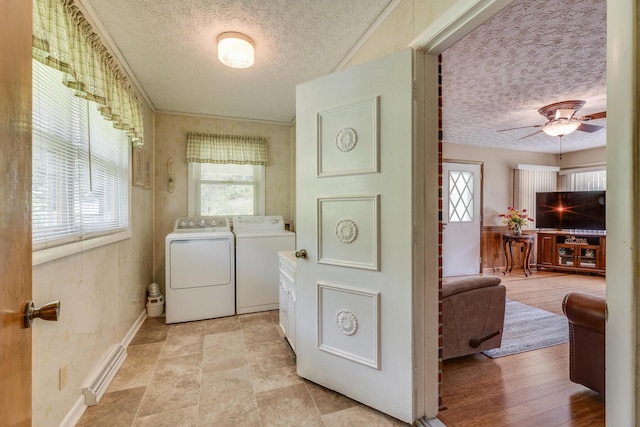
x=515 y=219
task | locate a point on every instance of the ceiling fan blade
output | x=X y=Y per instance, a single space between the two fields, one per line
x=594 y=116
x=521 y=127
x=535 y=133
x=589 y=128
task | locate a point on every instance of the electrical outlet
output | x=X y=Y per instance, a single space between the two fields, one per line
x=63 y=376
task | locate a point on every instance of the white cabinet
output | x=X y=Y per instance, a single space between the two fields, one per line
x=287 y=295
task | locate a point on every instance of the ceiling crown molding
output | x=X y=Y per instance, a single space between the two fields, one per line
x=457 y=21
x=98 y=27
x=365 y=37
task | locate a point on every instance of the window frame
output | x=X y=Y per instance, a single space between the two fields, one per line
x=194 y=185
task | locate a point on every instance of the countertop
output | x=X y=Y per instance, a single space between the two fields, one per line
x=289 y=255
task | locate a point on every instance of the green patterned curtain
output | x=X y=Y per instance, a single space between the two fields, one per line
x=64 y=40
x=221 y=149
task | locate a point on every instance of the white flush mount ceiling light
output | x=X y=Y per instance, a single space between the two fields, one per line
x=235 y=50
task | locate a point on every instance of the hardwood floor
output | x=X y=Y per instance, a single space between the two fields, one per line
x=526 y=389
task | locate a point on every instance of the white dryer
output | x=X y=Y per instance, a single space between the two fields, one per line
x=200 y=269
x=258 y=241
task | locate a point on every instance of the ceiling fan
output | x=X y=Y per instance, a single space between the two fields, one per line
x=561 y=120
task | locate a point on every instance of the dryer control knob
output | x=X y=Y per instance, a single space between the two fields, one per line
x=213 y=222
x=275 y=220
x=202 y=223
x=191 y=223
x=183 y=223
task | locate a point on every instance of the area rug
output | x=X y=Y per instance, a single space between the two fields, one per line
x=529 y=328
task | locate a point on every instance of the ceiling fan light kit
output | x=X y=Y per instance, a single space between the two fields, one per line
x=561 y=121
x=235 y=50
x=561 y=127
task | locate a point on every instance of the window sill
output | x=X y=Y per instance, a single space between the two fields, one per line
x=51 y=254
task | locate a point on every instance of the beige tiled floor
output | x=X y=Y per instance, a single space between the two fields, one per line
x=232 y=371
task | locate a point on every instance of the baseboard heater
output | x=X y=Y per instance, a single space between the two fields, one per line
x=110 y=367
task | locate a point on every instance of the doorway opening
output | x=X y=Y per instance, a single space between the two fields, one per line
x=471 y=152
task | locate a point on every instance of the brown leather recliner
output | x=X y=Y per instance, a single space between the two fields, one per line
x=587 y=316
x=472 y=315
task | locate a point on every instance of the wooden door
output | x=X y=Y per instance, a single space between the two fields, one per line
x=15 y=211
x=355 y=209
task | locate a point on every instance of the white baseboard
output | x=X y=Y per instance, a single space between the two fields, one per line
x=76 y=411
x=73 y=416
x=133 y=330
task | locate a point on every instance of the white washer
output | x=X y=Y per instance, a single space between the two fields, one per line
x=200 y=269
x=258 y=241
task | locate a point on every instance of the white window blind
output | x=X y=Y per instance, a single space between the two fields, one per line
x=80 y=166
x=584 y=179
x=529 y=180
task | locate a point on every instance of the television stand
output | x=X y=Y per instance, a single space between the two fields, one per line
x=581 y=251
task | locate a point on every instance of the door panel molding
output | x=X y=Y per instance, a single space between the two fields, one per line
x=348 y=231
x=349 y=323
x=348 y=139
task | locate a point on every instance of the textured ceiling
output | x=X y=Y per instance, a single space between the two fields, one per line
x=170 y=47
x=532 y=53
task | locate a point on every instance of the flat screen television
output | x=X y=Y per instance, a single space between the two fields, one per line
x=571 y=210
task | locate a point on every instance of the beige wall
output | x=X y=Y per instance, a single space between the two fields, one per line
x=102 y=292
x=593 y=157
x=498 y=173
x=406 y=22
x=171 y=131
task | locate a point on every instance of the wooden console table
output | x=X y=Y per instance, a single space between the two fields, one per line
x=578 y=251
x=507 y=241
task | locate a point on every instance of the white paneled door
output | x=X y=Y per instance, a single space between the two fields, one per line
x=355 y=308
x=461 y=219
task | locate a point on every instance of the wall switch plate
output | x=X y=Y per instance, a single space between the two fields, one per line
x=63 y=376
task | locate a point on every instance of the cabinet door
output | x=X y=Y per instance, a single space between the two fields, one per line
x=566 y=255
x=282 y=305
x=545 y=249
x=587 y=256
x=291 y=312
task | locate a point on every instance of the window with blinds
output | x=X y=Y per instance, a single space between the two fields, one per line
x=584 y=179
x=80 y=166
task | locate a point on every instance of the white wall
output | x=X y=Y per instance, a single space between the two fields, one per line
x=102 y=292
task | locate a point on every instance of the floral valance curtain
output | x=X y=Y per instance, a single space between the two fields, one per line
x=64 y=40
x=221 y=149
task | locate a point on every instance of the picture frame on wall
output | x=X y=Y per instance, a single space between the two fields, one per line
x=147 y=170
x=138 y=167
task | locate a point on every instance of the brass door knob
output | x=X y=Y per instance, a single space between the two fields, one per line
x=50 y=311
x=302 y=253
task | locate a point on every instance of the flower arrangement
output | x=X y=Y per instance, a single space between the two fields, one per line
x=515 y=218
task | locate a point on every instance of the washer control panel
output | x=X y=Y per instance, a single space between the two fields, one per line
x=258 y=223
x=202 y=223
